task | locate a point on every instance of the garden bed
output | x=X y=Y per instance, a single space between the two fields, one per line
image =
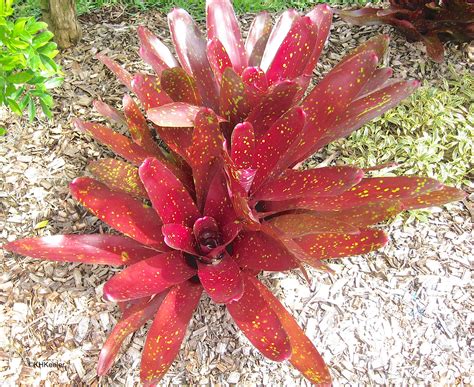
x=401 y=315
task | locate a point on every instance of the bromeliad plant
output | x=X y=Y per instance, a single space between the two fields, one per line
x=427 y=21
x=221 y=198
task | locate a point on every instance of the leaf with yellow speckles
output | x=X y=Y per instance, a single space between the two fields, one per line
x=149 y=276
x=379 y=79
x=437 y=197
x=154 y=52
x=120 y=211
x=325 y=181
x=95 y=248
x=218 y=58
x=304 y=356
x=169 y=197
x=256 y=250
x=325 y=246
x=179 y=237
x=257 y=320
x=256 y=85
x=221 y=281
x=119 y=176
x=149 y=91
x=136 y=317
x=109 y=112
x=123 y=75
x=378 y=44
x=167 y=331
x=321 y=16
x=175 y=114
x=180 y=86
x=257 y=38
x=243 y=145
x=234 y=103
x=218 y=204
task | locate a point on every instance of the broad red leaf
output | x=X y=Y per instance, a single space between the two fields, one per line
x=192 y=53
x=117 y=142
x=257 y=320
x=325 y=181
x=234 y=103
x=175 y=114
x=297 y=49
x=149 y=276
x=277 y=36
x=275 y=142
x=256 y=250
x=325 y=246
x=378 y=44
x=222 y=25
x=136 y=317
x=434 y=46
x=179 y=237
x=119 y=176
x=167 y=331
x=243 y=145
x=109 y=112
x=127 y=307
x=321 y=16
x=222 y=280
x=378 y=80
x=148 y=90
x=123 y=75
x=218 y=204
x=257 y=38
x=169 y=197
x=437 y=197
x=256 y=85
x=304 y=356
x=96 y=249
x=154 y=52
x=218 y=58
x=180 y=86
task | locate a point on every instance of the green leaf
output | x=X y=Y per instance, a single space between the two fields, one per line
x=31 y=110
x=21 y=77
x=33 y=28
x=41 y=224
x=53 y=82
x=42 y=39
x=3 y=131
x=15 y=108
x=49 y=64
x=46 y=109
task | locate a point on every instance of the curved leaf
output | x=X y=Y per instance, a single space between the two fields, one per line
x=180 y=86
x=154 y=52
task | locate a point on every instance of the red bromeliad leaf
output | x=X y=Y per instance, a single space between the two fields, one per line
x=321 y=16
x=222 y=25
x=325 y=246
x=148 y=90
x=277 y=36
x=325 y=181
x=257 y=38
x=149 y=276
x=218 y=58
x=257 y=320
x=136 y=317
x=275 y=142
x=169 y=197
x=179 y=237
x=378 y=80
x=222 y=281
x=119 y=176
x=218 y=204
x=256 y=250
x=109 y=112
x=120 y=211
x=154 y=52
x=127 y=307
x=175 y=114
x=180 y=86
x=256 y=85
x=378 y=44
x=297 y=47
x=192 y=53
x=437 y=197
x=434 y=46
x=243 y=145
x=300 y=224
x=120 y=144
x=96 y=249
x=234 y=104
x=304 y=356
x=123 y=75
x=167 y=331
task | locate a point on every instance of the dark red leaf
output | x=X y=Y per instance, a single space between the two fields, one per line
x=218 y=204
x=378 y=80
x=243 y=145
x=218 y=58
x=154 y=52
x=378 y=44
x=148 y=90
x=321 y=16
x=234 y=103
x=123 y=75
x=109 y=112
x=437 y=197
x=434 y=46
x=180 y=86
x=179 y=237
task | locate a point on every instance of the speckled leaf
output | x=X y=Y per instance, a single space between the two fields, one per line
x=321 y=16
x=136 y=317
x=119 y=176
x=218 y=58
x=218 y=204
x=148 y=90
x=96 y=249
x=325 y=181
x=378 y=44
x=257 y=38
x=376 y=81
x=180 y=86
x=175 y=114
x=295 y=51
x=123 y=75
x=243 y=145
x=234 y=104
x=434 y=45
x=256 y=85
x=256 y=250
x=222 y=281
x=222 y=24
x=304 y=356
x=437 y=197
x=109 y=112
x=154 y=52
x=120 y=211
x=325 y=246
x=179 y=237
x=149 y=276
x=169 y=197
x=117 y=142
x=167 y=331
x=192 y=53
x=257 y=320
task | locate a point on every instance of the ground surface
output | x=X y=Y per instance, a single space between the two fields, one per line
x=402 y=315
